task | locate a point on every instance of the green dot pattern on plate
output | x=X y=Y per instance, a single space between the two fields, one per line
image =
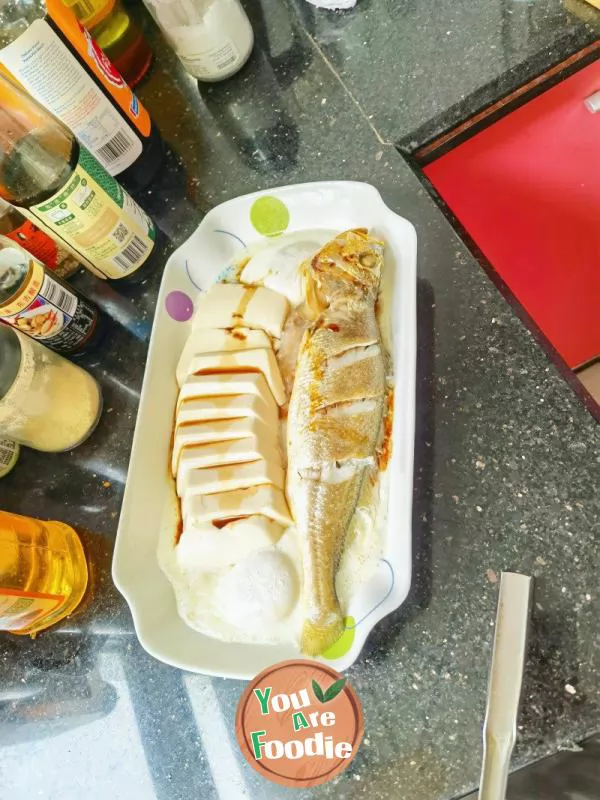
x=269 y=215
x=344 y=643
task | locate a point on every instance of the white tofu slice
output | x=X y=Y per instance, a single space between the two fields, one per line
x=269 y=501
x=237 y=476
x=203 y=409
x=229 y=305
x=226 y=385
x=215 y=341
x=208 y=547
x=260 y=360
x=223 y=454
x=222 y=430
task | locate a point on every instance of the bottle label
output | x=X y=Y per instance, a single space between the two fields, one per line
x=103 y=226
x=19 y=610
x=48 y=310
x=48 y=70
x=38 y=244
x=203 y=53
x=9 y=454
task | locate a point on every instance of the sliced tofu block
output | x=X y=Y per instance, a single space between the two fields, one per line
x=215 y=341
x=270 y=502
x=236 y=476
x=223 y=454
x=229 y=305
x=222 y=430
x=256 y=360
x=208 y=547
x=197 y=386
x=202 y=409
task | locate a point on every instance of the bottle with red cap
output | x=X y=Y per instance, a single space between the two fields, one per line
x=24 y=233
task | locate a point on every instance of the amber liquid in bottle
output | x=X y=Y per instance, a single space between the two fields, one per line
x=43 y=573
x=117 y=34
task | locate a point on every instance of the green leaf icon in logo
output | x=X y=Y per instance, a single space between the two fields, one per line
x=333 y=691
x=318 y=691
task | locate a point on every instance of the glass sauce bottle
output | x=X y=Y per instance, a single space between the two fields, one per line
x=46 y=402
x=43 y=573
x=48 y=51
x=117 y=34
x=59 y=185
x=43 y=306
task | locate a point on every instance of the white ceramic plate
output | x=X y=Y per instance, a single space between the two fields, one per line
x=206 y=255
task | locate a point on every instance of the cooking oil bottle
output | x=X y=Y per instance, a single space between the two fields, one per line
x=43 y=573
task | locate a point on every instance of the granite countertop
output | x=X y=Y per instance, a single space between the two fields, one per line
x=506 y=457
x=416 y=68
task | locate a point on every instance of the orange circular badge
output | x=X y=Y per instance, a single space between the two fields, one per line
x=299 y=723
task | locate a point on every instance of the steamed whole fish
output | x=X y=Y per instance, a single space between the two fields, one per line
x=334 y=418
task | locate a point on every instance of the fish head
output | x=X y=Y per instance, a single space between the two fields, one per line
x=350 y=264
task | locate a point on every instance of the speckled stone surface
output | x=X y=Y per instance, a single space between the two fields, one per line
x=416 y=68
x=506 y=476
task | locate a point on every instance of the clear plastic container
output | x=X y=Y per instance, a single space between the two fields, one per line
x=46 y=402
x=43 y=573
x=213 y=38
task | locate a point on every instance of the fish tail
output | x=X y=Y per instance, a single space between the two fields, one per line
x=319 y=635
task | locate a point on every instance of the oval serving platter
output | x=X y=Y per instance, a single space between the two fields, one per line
x=312 y=212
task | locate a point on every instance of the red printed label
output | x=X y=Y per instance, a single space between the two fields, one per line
x=19 y=610
x=39 y=244
x=104 y=64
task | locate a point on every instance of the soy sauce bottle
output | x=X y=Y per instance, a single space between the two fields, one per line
x=47 y=50
x=56 y=182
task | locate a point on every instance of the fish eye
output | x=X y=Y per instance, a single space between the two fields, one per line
x=367 y=260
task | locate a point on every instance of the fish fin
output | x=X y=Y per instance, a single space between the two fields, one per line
x=320 y=635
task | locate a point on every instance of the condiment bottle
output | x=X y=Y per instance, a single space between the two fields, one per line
x=58 y=184
x=213 y=38
x=43 y=306
x=43 y=573
x=9 y=455
x=117 y=34
x=28 y=236
x=46 y=402
x=54 y=57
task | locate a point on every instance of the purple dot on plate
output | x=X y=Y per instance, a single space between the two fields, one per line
x=179 y=306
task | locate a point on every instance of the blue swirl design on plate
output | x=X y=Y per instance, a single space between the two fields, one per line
x=383 y=599
x=192 y=281
x=229 y=233
x=227 y=272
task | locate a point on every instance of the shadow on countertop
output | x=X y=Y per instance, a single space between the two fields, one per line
x=383 y=635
